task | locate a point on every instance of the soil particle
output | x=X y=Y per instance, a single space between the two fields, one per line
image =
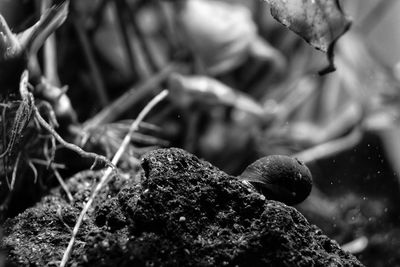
x=184 y=212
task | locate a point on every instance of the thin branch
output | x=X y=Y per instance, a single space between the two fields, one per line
x=170 y=32
x=34 y=170
x=330 y=148
x=50 y=54
x=106 y=177
x=90 y=59
x=14 y=173
x=125 y=38
x=131 y=38
x=62 y=183
x=46 y=163
x=142 y=41
x=4 y=144
x=129 y=99
x=70 y=146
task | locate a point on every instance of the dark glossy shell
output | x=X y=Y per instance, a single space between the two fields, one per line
x=281 y=178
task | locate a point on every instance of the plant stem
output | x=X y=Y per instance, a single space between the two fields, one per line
x=94 y=69
x=50 y=54
x=129 y=99
x=330 y=148
x=70 y=146
x=106 y=177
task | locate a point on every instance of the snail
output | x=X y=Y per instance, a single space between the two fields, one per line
x=280 y=178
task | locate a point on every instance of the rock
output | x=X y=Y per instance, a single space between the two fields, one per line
x=184 y=212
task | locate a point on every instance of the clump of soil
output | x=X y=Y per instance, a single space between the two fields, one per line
x=183 y=212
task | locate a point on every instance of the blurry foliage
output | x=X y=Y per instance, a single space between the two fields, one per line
x=242 y=86
x=320 y=23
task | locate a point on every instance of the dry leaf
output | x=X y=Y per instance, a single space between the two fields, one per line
x=319 y=22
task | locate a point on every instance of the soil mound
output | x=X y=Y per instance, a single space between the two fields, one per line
x=183 y=212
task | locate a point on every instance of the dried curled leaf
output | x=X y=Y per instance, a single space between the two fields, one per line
x=319 y=22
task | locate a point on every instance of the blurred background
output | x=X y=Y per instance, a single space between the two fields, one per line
x=242 y=86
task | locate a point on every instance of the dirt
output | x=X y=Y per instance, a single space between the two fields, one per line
x=182 y=212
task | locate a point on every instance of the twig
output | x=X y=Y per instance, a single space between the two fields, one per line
x=70 y=146
x=142 y=42
x=34 y=170
x=90 y=59
x=131 y=39
x=170 y=32
x=14 y=173
x=106 y=177
x=330 y=148
x=4 y=144
x=46 y=163
x=50 y=56
x=129 y=99
x=126 y=39
x=63 y=185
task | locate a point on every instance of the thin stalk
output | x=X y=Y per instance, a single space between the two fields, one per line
x=132 y=58
x=330 y=148
x=50 y=54
x=70 y=146
x=106 y=177
x=90 y=59
x=129 y=98
x=142 y=42
x=62 y=183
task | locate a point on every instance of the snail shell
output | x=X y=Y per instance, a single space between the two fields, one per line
x=281 y=178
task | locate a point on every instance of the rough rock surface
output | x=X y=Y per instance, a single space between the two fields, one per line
x=184 y=212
